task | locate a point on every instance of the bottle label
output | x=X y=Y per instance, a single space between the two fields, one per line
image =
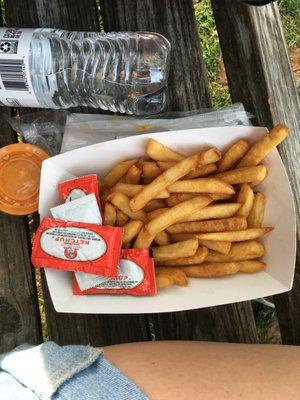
x=15 y=84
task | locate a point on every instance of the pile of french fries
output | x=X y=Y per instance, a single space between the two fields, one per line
x=200 y=215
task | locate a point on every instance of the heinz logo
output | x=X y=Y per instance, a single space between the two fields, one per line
x=70 y=243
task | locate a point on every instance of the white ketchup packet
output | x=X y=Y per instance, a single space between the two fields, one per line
x=83 y=209
x=129 y=276
x=135 y=276
x=87 y=281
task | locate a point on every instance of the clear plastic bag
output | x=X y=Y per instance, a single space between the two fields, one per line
x=86 y=129
x=44 y=129
x=60 y=131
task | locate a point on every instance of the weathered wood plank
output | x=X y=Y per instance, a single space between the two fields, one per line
x=19 y=314
x=260 y=76
x=188 y=90
x=96 y=330
x=73 y=15
x=174 y=19
x=75 y=328
x=230 y=323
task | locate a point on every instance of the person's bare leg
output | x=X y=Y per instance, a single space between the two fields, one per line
x=211 y=371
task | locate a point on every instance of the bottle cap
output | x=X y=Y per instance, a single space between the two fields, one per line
x=20 y=170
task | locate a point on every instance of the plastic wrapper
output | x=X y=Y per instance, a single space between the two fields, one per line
x=86 y=129
x=44 y=129
x=60 y=131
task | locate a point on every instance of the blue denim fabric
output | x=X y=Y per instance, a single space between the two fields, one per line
x=49 y=371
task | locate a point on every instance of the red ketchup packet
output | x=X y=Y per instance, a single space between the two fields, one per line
x=136 y=276
x=77 y=246
x=79 y=187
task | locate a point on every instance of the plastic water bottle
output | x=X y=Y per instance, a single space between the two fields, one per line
x=122 y=72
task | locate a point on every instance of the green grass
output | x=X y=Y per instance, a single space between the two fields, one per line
x=211 y=52
x=290 y=13
x=264 y=318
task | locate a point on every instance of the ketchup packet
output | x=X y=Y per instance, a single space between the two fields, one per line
x=77 y=246
x=79 y=187
x=136 y=276
x=84 y=209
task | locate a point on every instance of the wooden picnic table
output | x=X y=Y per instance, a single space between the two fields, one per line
x=259 y=75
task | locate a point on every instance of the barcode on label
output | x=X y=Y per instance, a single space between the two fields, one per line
x=12 y=74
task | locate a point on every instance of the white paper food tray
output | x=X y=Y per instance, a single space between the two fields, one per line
x=280 y=213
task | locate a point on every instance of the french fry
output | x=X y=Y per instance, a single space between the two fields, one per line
x=180 y=237
x=171 y=175
x=143 y=240
x=121 y=201
x=133 y=175
x=154 y=205
x=122 y=179
x=110 y=214
x=214 y=211
x=176 y=198
x=210 y=270
x=233 y=155
x=251 y=266
x=264 y=146
x=131 y=190
x=235 y=236
x=220 y=196
x=164 y=280
x=222 y=247
x=176 y=213
x=176 y=273
x=197 y=258
x=259 y=181
x=256 y=214
x=243 y=175
x=245 y=197
x=173 y=251
x=201 y=171
x=119 y=170
x=122 y=218
x=166 y=164
x=104 y=193
x=162 y=238
x=200 y=185
x=159 y=152
x=215 y=225
x=150 y=170
x=131 y=230
x=219 y=246
x=139 y=163
x=238 y=252
x=155 y=213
